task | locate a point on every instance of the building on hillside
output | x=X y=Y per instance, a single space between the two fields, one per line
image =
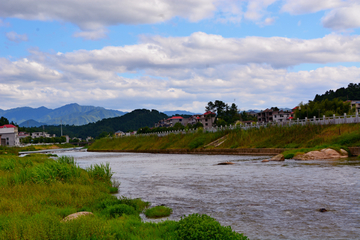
x=170 y=122
x=119 y=134
x=207 y=119
x=282 y=116
x=42 y=134
x=355 y=104
x=9 y=135
x=270 y=115
x=23 y=135
x=131 y=133
x=88 y=139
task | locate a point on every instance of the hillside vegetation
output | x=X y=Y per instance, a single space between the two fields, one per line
x=351 y=92
x=37 y=193
x=308 y=136
x=130 y=121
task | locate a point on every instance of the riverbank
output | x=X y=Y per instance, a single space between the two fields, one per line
x=262 y=141
x=37 y=193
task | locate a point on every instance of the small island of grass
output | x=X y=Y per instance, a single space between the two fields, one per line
x=158 y=212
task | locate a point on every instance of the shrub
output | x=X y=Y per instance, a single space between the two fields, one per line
x=100 y=172
x=158 y=212
x=119 y=209
x=289 y=156
x=203 y=227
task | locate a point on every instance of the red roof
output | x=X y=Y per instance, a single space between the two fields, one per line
x=8 y=126
x=177 y=117
x=208 y=112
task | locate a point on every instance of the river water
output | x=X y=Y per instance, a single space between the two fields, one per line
x=274 y=200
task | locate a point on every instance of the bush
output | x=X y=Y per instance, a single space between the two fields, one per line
x=203 y=227
x=119 y=209
x=158 y=212
x=289 y=156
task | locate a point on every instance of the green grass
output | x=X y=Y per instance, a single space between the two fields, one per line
x=37 y=193
x=158 y=212
x=307 y=137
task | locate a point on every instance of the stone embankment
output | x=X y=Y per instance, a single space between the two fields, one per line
x=217 y=151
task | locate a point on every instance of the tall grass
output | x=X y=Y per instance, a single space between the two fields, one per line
x=37 y=192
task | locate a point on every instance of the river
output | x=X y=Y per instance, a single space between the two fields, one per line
x=274 y=200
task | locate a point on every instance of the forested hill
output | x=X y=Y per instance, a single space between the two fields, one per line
x=352 y=92
x=130 y=121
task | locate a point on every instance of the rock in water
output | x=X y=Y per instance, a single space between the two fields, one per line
x=278 y=157
x=265 y=160
x=225 y=163
x=76 y=215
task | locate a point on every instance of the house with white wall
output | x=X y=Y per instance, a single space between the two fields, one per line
x=9 y=135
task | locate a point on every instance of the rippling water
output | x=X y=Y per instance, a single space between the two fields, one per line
x=276 y=200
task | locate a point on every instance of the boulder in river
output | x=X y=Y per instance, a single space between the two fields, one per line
x=76 y=215
x=225 y=163
x=326 y=153
x=278 y=157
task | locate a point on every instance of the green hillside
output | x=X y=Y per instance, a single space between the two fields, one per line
x=130 y=121
x=352 y=92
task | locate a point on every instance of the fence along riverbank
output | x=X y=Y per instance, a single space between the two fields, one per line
x=319 y=121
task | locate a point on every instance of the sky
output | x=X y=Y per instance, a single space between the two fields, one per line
x=176 y=55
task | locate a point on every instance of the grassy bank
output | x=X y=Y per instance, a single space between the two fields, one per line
x=38 y=192
x=309 y=136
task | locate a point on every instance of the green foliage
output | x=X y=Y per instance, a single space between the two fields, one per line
x=203 y=227
x=158 y=212
x=228 y=114
x=38 y=192
x=289 y=155
x=3 y=121
x=352 y=92
x=119 y=209
x=325 y=107
x=100 y=172
x=136 y=119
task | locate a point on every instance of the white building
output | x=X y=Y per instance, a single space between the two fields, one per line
x=9 y=135
x=42 y=134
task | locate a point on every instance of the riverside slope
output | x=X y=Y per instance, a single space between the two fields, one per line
x=267 y=141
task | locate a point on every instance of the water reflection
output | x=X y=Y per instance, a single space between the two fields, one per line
x=274 y=200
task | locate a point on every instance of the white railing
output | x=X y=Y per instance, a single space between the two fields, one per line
x=320 y=121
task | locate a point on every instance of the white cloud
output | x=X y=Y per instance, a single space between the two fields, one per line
x=182 y=72
x=4 y=24
x=92 y=35
x=256 y=9
x=344 y=14
x=201 y=50
x=253 y=86
x=311 y=6
x=269 y=21
x=343 y=18
x=15 y=37
x=93 y=14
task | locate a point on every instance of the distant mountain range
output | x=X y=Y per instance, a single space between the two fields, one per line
x=179 y=112
x=72 y=114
